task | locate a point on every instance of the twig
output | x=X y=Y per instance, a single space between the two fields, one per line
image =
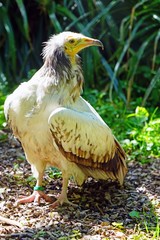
x=11 y=222
x=99 y=209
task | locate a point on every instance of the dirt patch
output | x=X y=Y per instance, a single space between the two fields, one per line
x=104 y=211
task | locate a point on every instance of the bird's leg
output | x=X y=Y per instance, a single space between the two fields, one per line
x=37 y=193
x=63 y=196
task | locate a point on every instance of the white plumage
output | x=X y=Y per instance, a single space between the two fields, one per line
x=57 y=127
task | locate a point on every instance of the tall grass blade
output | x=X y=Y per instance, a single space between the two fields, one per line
x=88 y=68
x=110 y=74
x=66 y=12
x=126 y=46
x=5 y=20
x=102 y=13
x=53 y=18
x=25 y=19
x=109 y=20
x=152 y=84
x=77 y=20
x=155 y=49
x=80 y=7
x=134 y=67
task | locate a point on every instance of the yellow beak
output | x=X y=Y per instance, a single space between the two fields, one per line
x=87 y=42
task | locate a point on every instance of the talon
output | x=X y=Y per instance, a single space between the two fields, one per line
x=62 y=200
x=35 y=197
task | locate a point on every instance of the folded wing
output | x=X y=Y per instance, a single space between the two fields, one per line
x=84 y=139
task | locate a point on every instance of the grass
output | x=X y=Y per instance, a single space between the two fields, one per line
x=144 y=229
x=129 y=64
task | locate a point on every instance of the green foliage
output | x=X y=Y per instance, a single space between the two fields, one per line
x=145 y=133
x=137 y=129
x=144 y=222
x=127 y=68
x=134 y=214
x=54 y=173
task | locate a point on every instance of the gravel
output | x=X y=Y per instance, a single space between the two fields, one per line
x=104 y=209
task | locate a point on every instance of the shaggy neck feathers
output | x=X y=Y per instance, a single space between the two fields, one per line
x=61 y=73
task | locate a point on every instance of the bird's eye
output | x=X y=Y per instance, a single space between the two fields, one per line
x=71 y=41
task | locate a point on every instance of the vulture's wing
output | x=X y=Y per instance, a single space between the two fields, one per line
x=83 y=138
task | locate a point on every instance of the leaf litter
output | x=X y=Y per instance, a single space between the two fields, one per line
x=104 y=209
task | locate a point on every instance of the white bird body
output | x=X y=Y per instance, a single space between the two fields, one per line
x=57 y=127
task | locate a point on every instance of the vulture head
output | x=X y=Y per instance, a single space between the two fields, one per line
x=68 y=43
x=61 y=61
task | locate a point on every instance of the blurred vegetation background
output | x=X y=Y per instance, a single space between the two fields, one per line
x=122 y=81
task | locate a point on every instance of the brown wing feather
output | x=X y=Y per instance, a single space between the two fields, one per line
x=112 y=165
x=73 y=132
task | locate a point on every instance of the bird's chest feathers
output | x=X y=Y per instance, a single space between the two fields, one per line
x=66 y=90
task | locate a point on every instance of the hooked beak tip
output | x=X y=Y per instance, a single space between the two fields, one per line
x=98 y=43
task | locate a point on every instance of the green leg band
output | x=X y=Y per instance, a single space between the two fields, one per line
x=38 y=188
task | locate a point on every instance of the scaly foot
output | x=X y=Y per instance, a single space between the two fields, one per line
x=61 y=200
x=35 y=197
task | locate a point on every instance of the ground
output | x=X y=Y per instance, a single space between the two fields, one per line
x=105 y=210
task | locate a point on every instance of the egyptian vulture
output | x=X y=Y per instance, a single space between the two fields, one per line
x=57 y=127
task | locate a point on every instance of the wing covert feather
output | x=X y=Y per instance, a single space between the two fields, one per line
x=82 y=136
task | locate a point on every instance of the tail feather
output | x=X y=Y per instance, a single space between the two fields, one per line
x=120 y=161
x=115 y=168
